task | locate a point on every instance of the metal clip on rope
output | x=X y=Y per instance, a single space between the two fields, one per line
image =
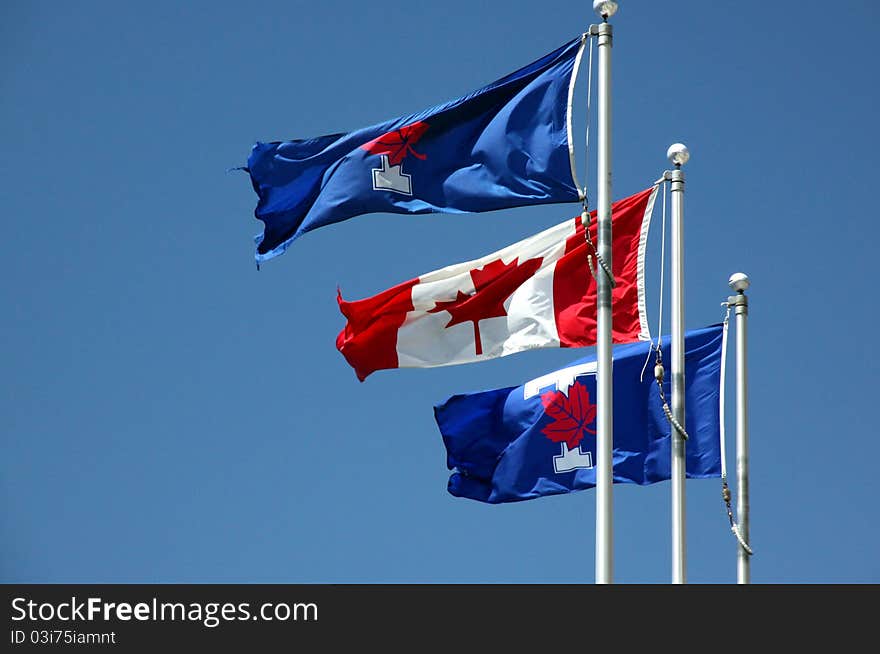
x=585 y=220
x=658 y=375
x=725 y=495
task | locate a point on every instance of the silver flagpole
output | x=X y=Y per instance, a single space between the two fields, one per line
x=739 y=282
x=678 y=154
x=604 y=398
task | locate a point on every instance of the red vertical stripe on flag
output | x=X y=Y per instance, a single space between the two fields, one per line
x=369 y=340
x=574 y=291
x=627 y=220
x=574 y=287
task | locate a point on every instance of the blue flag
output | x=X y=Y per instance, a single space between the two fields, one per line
x=506 y=145
x=538 y=439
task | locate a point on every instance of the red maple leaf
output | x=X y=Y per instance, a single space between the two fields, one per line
x=493 y=284
x=398 y=143
x=572 y=415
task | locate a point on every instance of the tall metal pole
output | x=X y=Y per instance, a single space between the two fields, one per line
x=739 y=282
x=678 y=154
x=604 y=397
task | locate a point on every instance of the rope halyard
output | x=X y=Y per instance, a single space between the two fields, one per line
x=664 y=184
x=585 y=215
x=587 y=135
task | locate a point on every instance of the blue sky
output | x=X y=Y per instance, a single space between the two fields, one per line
x=169 y=414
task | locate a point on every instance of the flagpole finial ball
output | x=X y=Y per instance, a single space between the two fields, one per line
x=605 y=8
x=678 y=154
x=739 y=282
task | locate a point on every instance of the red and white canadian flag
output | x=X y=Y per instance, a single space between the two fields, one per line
x=536 y=293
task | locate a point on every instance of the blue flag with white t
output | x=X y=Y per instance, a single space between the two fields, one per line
x=538 y=439
x=505 y=145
